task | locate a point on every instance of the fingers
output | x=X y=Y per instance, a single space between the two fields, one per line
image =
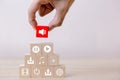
x=46 y=6
x=31 y=13
x=45 y=9
x=56 y=21
x=61 y=11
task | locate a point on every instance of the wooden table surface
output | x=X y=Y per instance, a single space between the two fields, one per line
x=76 y=68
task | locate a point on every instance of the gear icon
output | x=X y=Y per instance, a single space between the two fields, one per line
x=59 y=72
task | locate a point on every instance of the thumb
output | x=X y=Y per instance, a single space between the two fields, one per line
x=62 y=8
x=57 y=20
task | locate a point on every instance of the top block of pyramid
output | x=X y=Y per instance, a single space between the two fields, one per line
x=42 y=49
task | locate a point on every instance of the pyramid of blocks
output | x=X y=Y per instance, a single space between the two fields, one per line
x=42 y=62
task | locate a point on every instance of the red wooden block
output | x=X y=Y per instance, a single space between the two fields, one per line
x=42 y=31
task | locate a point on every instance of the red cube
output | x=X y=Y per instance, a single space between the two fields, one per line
x=42 y=31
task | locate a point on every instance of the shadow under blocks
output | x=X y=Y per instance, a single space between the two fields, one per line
x=42 y=63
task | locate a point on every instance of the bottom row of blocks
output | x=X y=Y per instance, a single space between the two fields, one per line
x=57 y=71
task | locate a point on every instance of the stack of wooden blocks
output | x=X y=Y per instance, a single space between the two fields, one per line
x=42 y=63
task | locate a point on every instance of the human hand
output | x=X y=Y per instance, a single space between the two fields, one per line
x=44 y=7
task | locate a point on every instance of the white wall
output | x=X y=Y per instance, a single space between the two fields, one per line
x=91 y=28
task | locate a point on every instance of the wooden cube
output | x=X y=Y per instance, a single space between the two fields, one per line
x=59 y=71
x=47 y=48
x=53 y=59
x=24 y=71
x=36 y=71
x=43 y=60
x=47 y=72
x=36 y=49
x=31 y=60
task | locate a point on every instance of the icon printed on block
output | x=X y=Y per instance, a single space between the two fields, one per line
x=48 y=73
x=30 y=61
x=59 y=72
x=36 y=49
x=47 y=48
x=42 y=31
x=36 y=71
x=42 y=60
x=53 y=59
x=24 y=71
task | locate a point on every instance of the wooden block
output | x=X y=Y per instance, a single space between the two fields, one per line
x=36 y=49
x=36 y=71
x=43 y=60
x=47 y=72
x=42 y=31
x=24 y=71
x=53 y=59
x=59 y=71
x=47 y=48
x=31 y=60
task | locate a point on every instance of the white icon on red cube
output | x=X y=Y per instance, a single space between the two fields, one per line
x=42 y=31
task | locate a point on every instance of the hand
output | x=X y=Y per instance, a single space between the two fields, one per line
x=44 y=7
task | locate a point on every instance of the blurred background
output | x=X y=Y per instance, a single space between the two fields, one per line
x=91 y=28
